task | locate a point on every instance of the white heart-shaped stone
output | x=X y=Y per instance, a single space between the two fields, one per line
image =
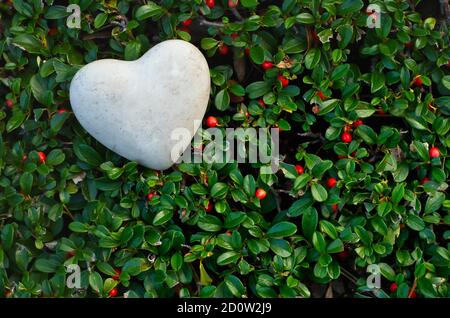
x=133 y=107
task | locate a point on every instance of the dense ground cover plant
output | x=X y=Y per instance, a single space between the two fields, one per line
x=363 y=120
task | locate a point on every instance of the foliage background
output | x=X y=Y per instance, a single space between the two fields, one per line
x=85 y=205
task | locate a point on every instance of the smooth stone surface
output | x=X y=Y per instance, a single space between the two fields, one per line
x=133 y=107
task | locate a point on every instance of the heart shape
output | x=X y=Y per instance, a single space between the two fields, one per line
x=133 y=107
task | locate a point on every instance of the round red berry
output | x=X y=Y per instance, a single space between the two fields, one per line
x=343 y=255
x=211 y=121
x=62 y=111
x=113 y=292
x=187 y=22
x=357 y=123
x=24 y=158
x=424 y=180
x=247 y=51
x=42 y=157
x=210 y=3
x=331 y=182
x=409 y=44
x=118 y=272
x=283 y=80
x=261 y=102
x=223 y=49
x=412 y=294
x=346 y=137
x=299 y=169
x=52 y=31
x=434 y=152
x=209 y=207
x=316 y=109
x=321 y=95
x=267 y=65
x=233 y=3
x=335 y=208
x=260 y=193
x=393 y=287
x=151 y=195
x=9 y=103
x=418 y=81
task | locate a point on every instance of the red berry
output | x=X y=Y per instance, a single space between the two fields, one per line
x=261 y=102
x=335 y=208
x=70 y=254
x=347 y=128
x=52 y=31
x=343 y=255
x=412 y=294
x=331 y=182
x=118 y=272
x=24 y=157
x=316 y=109
x=247 y=51
x=321 y=95
x=9 y=103
x=151 y=195
x=299 y=169
x=409 y=44
x=187 y=22
x=283 y=80
x=62 y=111
x=210 y=3
x=113 y=292
x=223 y=49
x=42 y=156
x=260 y=193
x=434 y=152
x=381 y=111
x=233 y=3
x=346 y=137
x=424 y=180
x=393 y=287
x=211 y=121
x=267 y=65
x=315 y=36
x=357 y=123
x=209 y=207
x=234 y=35
x=418 y=81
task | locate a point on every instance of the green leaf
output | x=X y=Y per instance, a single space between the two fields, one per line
x=29 y=43
x=26 y=182
x=219 y=190
x=162 y=217
x=319 y=193
x=100 y=20
x=415 y=222
x=309 y=222
x=149 y=10
x=210 y=223
x=222 y=100
x=229 y=257
x=257 y=89
x=312 y=58
x=15 y=121
x=87 y=154
x=350 y=6
x=305 y=18
x=96 y=282
x=134 y=266
x=257 y=54
x=376 y=81
x=282 y=229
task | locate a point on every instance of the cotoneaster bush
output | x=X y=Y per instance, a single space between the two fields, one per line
x=364 y=138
